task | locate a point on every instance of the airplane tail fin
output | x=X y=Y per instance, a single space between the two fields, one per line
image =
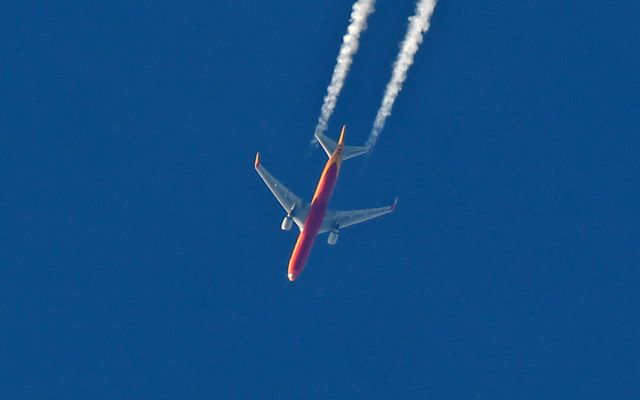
x=329 y=146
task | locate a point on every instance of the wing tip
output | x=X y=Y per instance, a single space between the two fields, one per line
x=395 y=204
x=257 y=162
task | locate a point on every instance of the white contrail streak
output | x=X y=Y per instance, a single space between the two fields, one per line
x=418 y=25
x=350 y=41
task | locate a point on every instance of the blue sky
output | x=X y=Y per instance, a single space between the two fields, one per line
x=142 y=255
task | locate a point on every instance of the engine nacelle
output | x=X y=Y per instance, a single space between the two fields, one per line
x=333 y=237
x=286 y=223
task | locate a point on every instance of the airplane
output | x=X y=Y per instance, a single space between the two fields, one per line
x=313 y=219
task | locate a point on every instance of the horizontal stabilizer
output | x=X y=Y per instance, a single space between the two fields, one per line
x=329 y=146
x=354 y=151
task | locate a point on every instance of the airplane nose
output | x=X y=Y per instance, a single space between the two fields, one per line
x=291 y=277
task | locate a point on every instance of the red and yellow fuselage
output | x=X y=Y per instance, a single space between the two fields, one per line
x=317 y=210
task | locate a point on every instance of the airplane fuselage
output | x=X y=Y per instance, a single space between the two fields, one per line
x=317 y=210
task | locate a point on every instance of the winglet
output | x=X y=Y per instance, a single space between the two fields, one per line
x=257 y=164
x=395 y=204
x=341 y=140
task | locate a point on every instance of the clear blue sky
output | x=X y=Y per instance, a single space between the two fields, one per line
x=141 y=253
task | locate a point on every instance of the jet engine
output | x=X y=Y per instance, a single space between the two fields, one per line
x=333 y=237
x=286 y=223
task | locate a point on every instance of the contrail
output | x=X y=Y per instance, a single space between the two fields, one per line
x=350 y=41
x=418 y=25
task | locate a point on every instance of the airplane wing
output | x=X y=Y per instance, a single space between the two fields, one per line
x=291 y=203
x=343 y=219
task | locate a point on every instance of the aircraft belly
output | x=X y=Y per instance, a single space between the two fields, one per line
x=314 y=220
x=306 y=239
